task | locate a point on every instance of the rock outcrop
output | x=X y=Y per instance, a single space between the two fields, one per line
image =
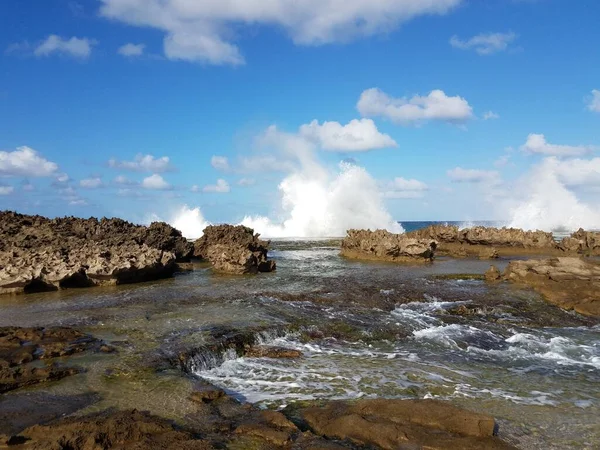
x=40 y=254
x=490 y=242
x=21 y=346
x=234 y=249
x=568 y=282
x=385 y=246
x=392 y=424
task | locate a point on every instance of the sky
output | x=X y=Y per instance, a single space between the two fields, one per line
x=302 y=117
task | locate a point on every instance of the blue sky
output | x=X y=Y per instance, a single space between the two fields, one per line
x=456 y=95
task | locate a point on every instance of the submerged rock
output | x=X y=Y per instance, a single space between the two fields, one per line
x=568 y=282
x=40 y=254
x=234 y=249
x=391 y=424
x=385 y=246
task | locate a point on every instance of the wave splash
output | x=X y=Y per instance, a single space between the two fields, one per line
x=327 y=206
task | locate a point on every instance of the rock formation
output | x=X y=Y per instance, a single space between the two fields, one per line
x=39 y=254
x=568 y=282
x=385 y=246
x=234 y=249
x=490 y=242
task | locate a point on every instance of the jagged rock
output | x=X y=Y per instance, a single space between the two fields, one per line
x=39 y=254
x=392 y=424
x=585 y=242
x=386 y=246
x=568 y=282
x=234 y=249
x=493 y=274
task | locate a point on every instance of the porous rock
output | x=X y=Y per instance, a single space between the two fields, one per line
x=385 y=246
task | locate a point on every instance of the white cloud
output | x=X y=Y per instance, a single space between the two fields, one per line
x=221 y=187
x=6 y=190
x=203 y=30
x=460 y=175
x=490 y=115
x=594 y=101
x=78 y=202
x=155 y=181
x=124 y=181
x=536 y=143
x=195 y=188
x=485 y=43
x=62 y=178
x=25 y=161
x=356 y=136
x=91 y=183
x=575 y=172
x=246 y=182
x=434 y=106
x=131 y=50
x=143 y=163
x=405 y=188
x=220 y=163
x=76 y=47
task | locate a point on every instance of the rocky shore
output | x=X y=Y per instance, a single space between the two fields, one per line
x=385 y=246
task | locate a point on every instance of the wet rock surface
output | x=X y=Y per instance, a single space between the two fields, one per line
x=40 y=254
x=234 y=249
x=20 y=347
x=490 y=242
x=570 y=283
x=385 y=246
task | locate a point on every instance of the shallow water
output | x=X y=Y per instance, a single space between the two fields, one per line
x=366 y=329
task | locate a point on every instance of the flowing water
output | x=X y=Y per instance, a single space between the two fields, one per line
x=365 y=329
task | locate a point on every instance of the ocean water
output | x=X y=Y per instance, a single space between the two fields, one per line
x=365 y=329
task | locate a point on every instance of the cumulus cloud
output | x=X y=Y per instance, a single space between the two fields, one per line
x=575 y=172
x=124 y=181
x=155 y=182
x=356 y=136
x=405 y=188
x=220 y=163
x=460 y=175
x=246 y=182
x=143 y=163
x=536 y=143
x=594 y=101
x=130 y=50
x=490 y=115
x=25 y=161
x=485 y=43
x=75 y=47
x=202 y=31
x=91 y=183
x=434 y=106
x=6 y=190
x=221 y=187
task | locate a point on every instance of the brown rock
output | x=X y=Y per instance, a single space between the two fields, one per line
x=264 y=351
x=233 y=249
x=570 y=283
x=271 y=426
x=393 y=424
x=493 y=274
x=206 y=393
x=386 y=246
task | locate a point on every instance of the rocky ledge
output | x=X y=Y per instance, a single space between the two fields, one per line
x=568 y=282
x=385 y=246
x=490 y=242
x=234 y=249
x=41 y=254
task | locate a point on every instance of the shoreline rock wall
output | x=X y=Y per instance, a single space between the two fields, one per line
x=385 y=246
x=41 y=254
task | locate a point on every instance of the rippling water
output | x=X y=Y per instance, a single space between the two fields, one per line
x=365 y=329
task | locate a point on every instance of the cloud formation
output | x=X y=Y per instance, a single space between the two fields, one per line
x=220 y=163
x=490 y=115
x=460 y=175
x=155 y=182
x=91 y=183
x=358 y=135
x=594 y=101
x=143 y=163
x=6 y=190
x=485 y=43
x=536 y=143
x=80 y=48
x=25 y=161
x=130 y=50
x=408 y=111
x=201 y=31
x=405 y=188
x=221 y=187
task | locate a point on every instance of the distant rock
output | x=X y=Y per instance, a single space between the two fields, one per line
x=493 y=274
x=568 y=282
x=385 y=246
x=40 y=254
x=234 y=249
x=490 y=242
